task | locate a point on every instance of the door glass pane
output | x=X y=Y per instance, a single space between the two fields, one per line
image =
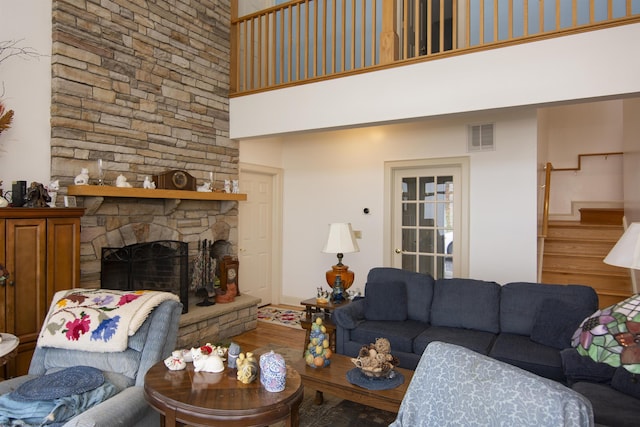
x=445 y=267
x=426 y=265
x=427 y=188
x=409 y=214
x=426 y=241
x=445 y=188
x=408 y=240
x=408 y=262
x=427 y=215
x=408 y=189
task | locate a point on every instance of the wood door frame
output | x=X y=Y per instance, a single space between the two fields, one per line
x=276 y=175
x=391 y=168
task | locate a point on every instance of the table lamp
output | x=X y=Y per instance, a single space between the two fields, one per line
x=340 y=241
x=626 y=253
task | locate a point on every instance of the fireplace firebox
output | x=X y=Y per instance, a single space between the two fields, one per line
x=162 y=265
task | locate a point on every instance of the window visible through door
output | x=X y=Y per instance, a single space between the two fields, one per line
x=427 y=206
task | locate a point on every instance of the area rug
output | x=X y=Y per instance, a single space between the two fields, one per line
x=334 y=411
x=289 y=318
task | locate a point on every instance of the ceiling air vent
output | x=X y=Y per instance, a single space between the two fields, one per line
x=481 y=137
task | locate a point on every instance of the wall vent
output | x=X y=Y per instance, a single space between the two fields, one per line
x=481 y=137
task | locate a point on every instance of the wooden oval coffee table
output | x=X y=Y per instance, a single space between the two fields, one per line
x=208 y=399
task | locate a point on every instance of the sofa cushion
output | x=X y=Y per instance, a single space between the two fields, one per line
x=519 y=350
x=466 y=303
x=583 y=368
x=556 y=321
x=610 y=407
x=385 y=301
x=478 y=341
x=399 y=334
x=520 y=301
x=626 y=382
x=419 y=289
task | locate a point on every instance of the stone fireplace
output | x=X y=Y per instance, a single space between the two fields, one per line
x=143 y=87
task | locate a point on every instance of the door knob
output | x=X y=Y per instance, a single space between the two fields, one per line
x=398 y=251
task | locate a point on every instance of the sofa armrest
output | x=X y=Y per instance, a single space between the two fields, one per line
x=350 y=315
x=127 y=408
x=7 y=386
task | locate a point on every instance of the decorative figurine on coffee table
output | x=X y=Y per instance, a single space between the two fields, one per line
x=318 y=353
x=232 y=355
x=273 y=372
x=247 y=368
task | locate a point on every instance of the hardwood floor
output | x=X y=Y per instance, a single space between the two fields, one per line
x=267 y=333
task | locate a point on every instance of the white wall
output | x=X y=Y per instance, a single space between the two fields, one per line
x=25 y=148
x=594 y=127
x=332 y=176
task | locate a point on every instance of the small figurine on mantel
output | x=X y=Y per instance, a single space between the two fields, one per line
x=227 y=186
x=83 y=178
x=204 y=188
x=148 y=183
x=121 y=182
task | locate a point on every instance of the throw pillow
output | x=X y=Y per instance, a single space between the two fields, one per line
x=555 y=323
x=582 y=368
x=626 y=382
x=385 y=301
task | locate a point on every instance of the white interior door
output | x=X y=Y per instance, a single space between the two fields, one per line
x=258 y=249
x=426 y=227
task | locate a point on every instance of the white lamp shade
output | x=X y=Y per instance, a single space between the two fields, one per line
x=626 y=253
x=341 y=239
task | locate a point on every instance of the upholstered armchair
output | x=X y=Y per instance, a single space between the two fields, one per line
x=153 y=341
x=455 y=386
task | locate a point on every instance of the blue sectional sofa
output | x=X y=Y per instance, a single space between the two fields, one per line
x=523 y=324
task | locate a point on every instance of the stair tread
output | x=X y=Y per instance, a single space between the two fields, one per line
x=578 y=224
x=585 y=273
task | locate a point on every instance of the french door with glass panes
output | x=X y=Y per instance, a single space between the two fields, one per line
x=427 y=215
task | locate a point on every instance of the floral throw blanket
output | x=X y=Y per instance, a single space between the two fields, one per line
x=97 y=320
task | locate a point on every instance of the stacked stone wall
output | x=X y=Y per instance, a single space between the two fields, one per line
x=143 y=86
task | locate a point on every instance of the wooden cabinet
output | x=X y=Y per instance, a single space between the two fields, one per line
x=40 y=251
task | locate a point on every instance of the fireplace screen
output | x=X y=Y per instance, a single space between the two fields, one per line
x=158 y=266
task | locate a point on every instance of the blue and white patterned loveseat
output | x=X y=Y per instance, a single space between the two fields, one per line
x=523 y=324
x=454 y=386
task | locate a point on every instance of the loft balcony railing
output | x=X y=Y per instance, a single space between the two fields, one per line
x=302 y=41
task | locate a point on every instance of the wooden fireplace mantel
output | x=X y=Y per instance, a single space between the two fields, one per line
x=145 y=193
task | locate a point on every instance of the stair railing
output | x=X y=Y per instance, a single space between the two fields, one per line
x=545 y=217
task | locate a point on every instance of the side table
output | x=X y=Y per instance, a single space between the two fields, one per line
x=313 y=309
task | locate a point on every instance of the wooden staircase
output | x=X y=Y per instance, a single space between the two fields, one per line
x=574 y=253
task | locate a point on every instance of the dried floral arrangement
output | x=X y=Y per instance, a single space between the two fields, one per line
x=9 y=49
x=5 y=118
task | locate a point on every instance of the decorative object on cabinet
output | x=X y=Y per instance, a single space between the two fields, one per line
x=37 y=196
x=340 y=241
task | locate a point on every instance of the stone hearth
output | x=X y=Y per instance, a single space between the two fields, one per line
x=218 y=322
